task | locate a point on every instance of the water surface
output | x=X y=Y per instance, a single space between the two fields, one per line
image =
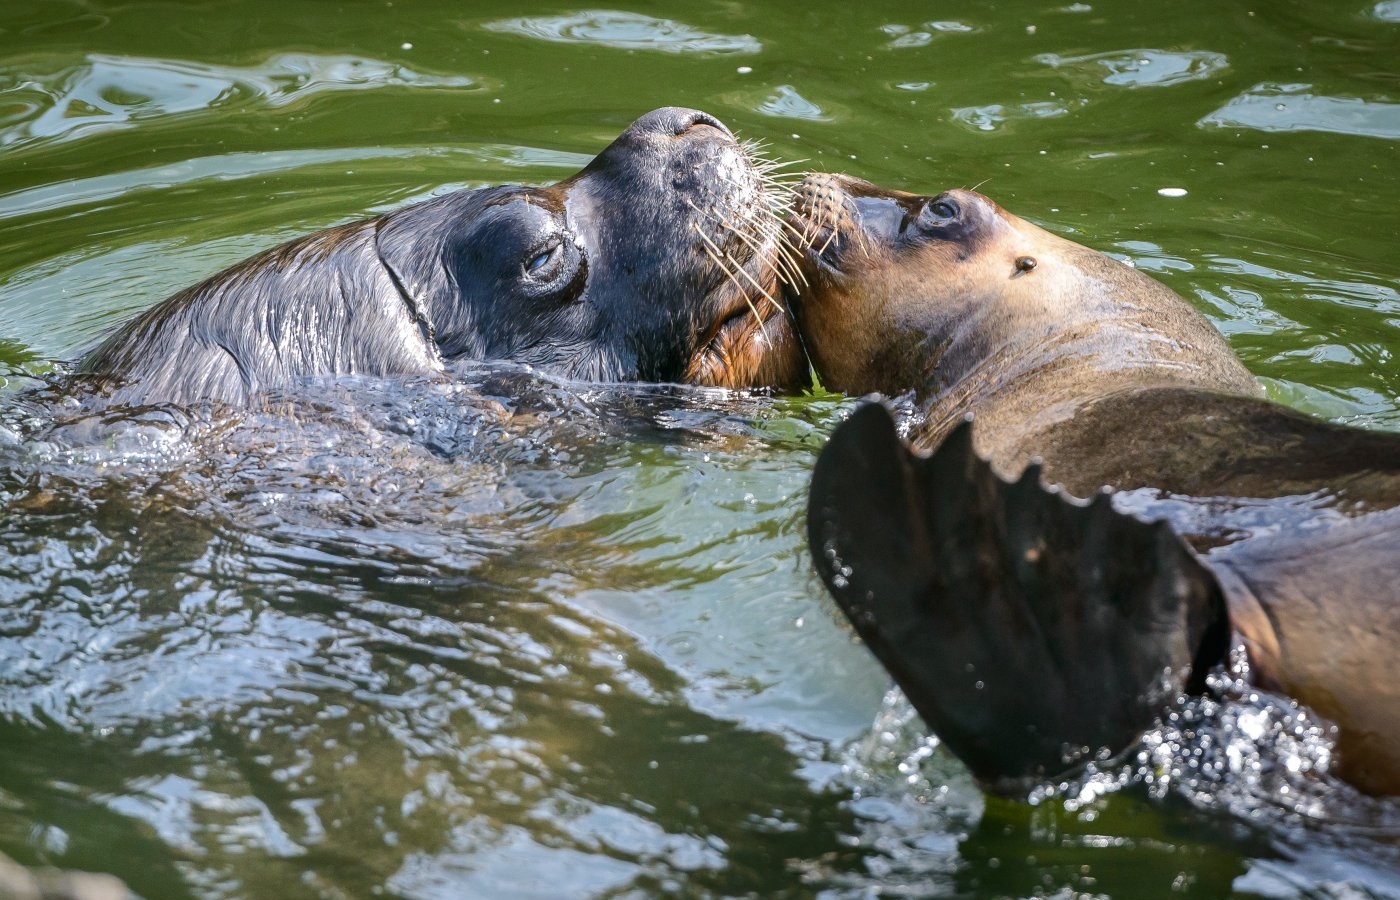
x=506 y=637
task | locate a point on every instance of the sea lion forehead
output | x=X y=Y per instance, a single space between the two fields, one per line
x=545 y=198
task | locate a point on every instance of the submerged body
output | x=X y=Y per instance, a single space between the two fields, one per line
x=658 y=262
x=978 y=586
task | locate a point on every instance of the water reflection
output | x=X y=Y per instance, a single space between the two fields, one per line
x=351 y=638
x=1294 y=107
x=997 y=116
x=106 y=93
x=626 y=31
x=786 y=102
x=1219 y=781
x=905 y=36
x=1139 y=68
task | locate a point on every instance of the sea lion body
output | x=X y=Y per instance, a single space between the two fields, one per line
x=654 y=261
x=1104 y=378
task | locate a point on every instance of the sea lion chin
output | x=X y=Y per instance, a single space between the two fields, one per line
x=628 y=271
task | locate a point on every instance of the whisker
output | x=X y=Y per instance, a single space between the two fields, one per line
x=774 y=241
x=716 y=254
x=763 y=292
x=776 y=165
x=783 y=262
x=828 y=222
x=799 y=235
x=787 y=255
x=757 y=250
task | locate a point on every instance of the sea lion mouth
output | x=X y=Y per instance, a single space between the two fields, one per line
x=752 y=348
x=719 y=350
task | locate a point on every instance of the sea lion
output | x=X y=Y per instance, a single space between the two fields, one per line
x=659 y=261
x=1034 y=632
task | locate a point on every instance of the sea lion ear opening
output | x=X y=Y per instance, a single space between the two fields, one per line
x=1031 y=631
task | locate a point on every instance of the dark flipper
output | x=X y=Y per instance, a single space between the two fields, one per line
x=1029 y=630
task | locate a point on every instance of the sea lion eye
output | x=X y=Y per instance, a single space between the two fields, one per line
x=556 y=269
x=945 y=209
x=939 y=213
x=536 y=265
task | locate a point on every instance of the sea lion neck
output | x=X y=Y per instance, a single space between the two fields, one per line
x=1021 y=372
x=1065 y=330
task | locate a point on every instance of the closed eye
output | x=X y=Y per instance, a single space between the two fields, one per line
x=542 y=259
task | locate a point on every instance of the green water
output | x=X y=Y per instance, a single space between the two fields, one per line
x=577 y=651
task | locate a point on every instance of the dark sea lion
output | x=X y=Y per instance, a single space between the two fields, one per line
x=659 y=261
x=1035 y=632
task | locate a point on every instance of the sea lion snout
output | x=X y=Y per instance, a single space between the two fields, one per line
x=823 y=216
x=675 y=121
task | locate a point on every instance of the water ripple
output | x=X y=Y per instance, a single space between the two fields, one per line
x=781 y=102
x=233 y=166
x=905 y=36
x=1139 y=68
x=1294 y=107
x=106 y=93
x=625 y=31
x=994 y=116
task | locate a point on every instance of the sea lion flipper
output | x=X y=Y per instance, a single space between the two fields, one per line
x=1028 y=629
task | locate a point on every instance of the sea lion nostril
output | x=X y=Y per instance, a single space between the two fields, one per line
x=674 y=121
x=700 y=118
x=678 y=120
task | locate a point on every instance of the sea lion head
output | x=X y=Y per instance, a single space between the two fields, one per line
x=659 y=261
x=953 y=297
x=898 y=281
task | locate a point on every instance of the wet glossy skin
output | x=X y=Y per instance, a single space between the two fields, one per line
x=973 y=308
x=1064 y=355
x=650 y=264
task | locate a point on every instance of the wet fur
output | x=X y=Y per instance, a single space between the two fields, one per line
x=662 y=241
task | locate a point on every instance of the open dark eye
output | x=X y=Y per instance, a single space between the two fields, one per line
x=938 y=211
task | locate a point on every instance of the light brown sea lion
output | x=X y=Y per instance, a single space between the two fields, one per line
x=1034 y=632
x=658 y=262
